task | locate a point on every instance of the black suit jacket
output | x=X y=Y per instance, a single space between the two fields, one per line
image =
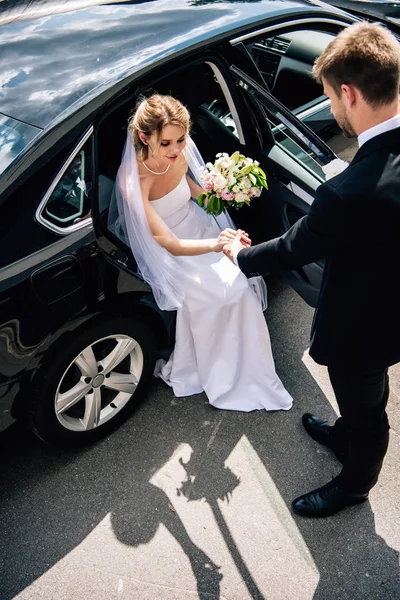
x=354 y=223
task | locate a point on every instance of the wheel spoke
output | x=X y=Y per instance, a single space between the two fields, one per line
x=87 y=364
x=92 y=409
x=117 y=355
x=121 y=382
x=67 y=399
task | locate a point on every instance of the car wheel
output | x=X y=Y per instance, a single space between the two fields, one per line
x=90 y=386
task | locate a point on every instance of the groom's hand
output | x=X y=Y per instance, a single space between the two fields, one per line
x=232 y=249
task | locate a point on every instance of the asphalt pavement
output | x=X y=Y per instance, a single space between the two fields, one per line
x=185 y=501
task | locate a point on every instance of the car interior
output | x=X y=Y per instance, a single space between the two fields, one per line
x=285 y=61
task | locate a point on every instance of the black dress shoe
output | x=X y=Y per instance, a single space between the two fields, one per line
x=319 y=430
x=326 y=500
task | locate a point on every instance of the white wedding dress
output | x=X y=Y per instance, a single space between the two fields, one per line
x=222 y=342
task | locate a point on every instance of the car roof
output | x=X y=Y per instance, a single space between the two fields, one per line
x=51 y=62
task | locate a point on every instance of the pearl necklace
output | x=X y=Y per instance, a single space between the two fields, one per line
x=155 y=172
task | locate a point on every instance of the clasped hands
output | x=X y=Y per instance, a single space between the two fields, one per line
x=230 y=242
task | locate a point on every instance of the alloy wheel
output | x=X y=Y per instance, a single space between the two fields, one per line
x=99 y=382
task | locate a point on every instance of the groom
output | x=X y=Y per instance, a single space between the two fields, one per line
x=354 y=223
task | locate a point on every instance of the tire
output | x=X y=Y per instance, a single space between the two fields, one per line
x=89 y=386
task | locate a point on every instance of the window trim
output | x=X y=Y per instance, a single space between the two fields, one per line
x=289 y=25
x=229 y=100
x=40 y=211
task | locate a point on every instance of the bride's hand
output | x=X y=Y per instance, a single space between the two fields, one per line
x=228 y=235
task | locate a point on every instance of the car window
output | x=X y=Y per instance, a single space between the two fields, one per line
x=68 y=200
x=320 y=119
x=293 y=147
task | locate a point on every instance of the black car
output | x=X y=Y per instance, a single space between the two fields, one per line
x=79 y=328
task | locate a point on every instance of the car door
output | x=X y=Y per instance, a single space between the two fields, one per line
x=293 y=156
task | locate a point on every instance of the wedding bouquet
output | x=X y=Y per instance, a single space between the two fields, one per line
x=231 y=181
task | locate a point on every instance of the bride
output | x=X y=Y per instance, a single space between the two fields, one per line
x=222 y=344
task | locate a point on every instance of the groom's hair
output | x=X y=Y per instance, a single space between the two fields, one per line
x=365 y=55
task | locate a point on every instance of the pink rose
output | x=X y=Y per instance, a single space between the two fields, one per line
x=208 y=183
x=227 y=195
x=255 y=192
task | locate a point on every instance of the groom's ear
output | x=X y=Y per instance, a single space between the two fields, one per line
x=348 y=94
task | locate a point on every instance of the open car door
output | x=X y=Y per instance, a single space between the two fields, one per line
x=293 y=156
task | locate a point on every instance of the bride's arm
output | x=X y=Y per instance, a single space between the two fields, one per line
x=195 y=188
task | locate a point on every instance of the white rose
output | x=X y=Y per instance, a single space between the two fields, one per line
x=219 y=182
x=335 y=167
x=241 y=197
x=245 y=184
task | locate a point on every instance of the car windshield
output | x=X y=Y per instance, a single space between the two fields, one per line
x=14 y=137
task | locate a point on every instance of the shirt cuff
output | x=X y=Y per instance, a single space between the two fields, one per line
x=234 y=257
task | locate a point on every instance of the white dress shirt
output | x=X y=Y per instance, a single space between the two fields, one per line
x=365 y=136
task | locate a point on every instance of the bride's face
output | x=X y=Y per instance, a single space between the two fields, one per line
x=170 y=144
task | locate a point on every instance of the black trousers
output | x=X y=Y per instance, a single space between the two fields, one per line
x=362 y=431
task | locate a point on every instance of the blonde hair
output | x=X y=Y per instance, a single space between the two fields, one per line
x=365 y=55
x=152 y=114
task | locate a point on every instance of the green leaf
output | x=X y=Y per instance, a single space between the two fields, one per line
x=214 y=206
x=210 y=205
x=200 y=200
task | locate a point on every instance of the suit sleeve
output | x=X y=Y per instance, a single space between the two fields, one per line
x=324 y=229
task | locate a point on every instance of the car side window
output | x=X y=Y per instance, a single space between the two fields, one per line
x=300 y=152
x=320 y=119
x=67 y=203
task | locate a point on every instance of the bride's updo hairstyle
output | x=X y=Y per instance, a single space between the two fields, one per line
x=153 y=114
